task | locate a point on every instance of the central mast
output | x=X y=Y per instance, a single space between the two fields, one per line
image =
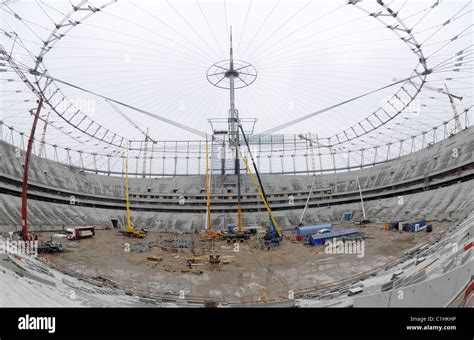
x=225 y=75
x=233 y=122
x=233 y=128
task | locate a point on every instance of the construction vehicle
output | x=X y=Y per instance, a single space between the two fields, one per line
x=451 y=96
x=457 y=121
x=309 y=139
x=232 y=234
x=43 y=246
x=130 y=230
x=49 y=247
x=273 y=235
x=78 y=233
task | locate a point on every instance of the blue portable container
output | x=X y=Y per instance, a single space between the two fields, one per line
x=320 y=239
x=347 y=216
x=311 y=229
x=421 y=226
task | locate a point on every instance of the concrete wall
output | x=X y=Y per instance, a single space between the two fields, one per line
x=453 y=201
x=432 y=159
x=430 y=293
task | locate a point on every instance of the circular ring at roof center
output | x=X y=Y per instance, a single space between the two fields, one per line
x=219 y=74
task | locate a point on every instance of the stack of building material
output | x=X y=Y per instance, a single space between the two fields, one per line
x=155 y=258
x=143 y=246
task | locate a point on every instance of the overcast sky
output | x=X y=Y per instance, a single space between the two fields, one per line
x=308 y=54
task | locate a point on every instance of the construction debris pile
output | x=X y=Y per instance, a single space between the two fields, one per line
x=143 y=246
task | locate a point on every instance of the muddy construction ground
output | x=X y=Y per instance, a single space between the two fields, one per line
x=247 y=275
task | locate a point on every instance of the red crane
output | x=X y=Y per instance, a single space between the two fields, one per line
x=39 y=94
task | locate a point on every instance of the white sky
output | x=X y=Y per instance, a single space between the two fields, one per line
x=308 y=55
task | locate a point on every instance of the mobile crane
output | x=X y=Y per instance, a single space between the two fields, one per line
x=273 y=235
x=451 y=97
x=130 y=230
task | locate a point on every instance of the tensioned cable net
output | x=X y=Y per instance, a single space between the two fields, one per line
x=324 y=85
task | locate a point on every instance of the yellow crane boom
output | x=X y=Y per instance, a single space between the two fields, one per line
x=130 y=230
x=129 y=221
x=208 y=189
x=262 y=196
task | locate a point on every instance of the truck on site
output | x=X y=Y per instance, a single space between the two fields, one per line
x=77 y=233
x=231 y=234
x=43 y=246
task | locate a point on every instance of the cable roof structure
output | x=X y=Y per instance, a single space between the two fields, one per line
x=351 y=83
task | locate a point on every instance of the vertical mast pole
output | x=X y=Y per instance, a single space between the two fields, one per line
x=145 y=154
x=129 y=221
x=208 y=190
x=234 y=132
x=361 y=199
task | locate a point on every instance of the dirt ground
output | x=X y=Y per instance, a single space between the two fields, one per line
x=244 y=275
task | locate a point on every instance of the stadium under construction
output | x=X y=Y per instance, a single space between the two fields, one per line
x=242 y=154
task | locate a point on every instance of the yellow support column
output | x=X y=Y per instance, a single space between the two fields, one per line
x=240 y=225
x=208 y=189
x=129 y=220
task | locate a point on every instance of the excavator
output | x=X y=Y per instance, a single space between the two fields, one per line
x=130 y=230
x=273 y=235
